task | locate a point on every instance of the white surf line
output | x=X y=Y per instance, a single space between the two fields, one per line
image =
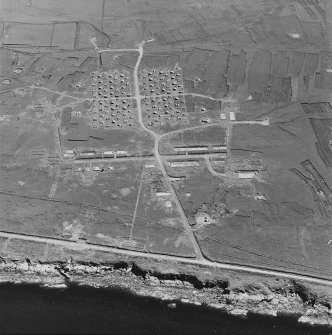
x=136 y=205
x=178 y=259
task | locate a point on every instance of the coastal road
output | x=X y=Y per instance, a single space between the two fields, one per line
x=177 y=259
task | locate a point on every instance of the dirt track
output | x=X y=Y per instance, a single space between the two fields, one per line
x=156 y=138
x=183 y=260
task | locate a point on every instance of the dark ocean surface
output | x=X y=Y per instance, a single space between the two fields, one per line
x=33 y=309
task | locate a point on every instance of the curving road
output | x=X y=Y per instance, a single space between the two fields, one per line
x=156 y=138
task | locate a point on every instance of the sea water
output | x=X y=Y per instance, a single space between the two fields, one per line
x=85 y=310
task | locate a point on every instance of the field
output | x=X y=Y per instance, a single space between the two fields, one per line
x=237 y=67
x=248 y=221
x=322 y=129
x=259 y=72
x=210 y=137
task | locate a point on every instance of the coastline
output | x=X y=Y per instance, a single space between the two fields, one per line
x=237 y=295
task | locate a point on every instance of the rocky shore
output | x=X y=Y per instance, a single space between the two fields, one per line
x=234 y=293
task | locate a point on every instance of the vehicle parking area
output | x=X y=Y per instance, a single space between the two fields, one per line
x=112 y=103
x=163 y=101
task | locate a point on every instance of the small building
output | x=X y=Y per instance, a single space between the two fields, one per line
x=178 y=178
x=163 y=194
x=177 y=164
x=232 y=116
x=109 y=153
x=83 y=155
x=68 y=156
x=218 y=161
x=246 y=174
x=265 y=122
x=180 y=149
x=219 y=148
x=206 y=120
x=195 y=149
x=75 y=113
x=121 y=153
